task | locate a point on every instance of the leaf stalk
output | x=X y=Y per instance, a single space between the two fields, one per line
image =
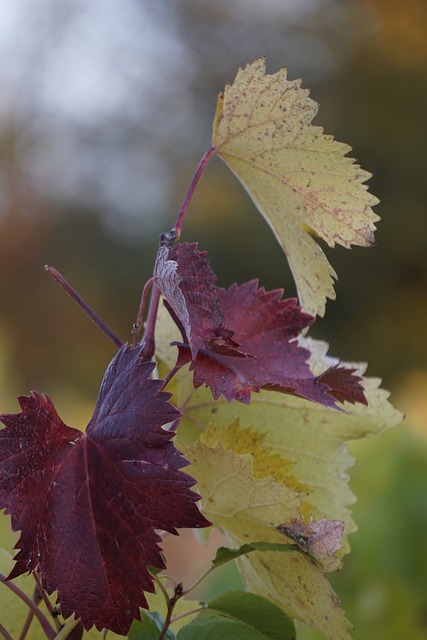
x=202 y=166
x=83 y=305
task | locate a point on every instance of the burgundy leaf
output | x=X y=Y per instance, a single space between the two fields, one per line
x=186 y=280
x=345 y=385
x=265 y=328
x=88 y=504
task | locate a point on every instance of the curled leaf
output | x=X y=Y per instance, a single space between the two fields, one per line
x=251 y=342
x=321 y=538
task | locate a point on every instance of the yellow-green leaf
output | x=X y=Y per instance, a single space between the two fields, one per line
x=247 y=506
x=311 y=439
x=301 y=180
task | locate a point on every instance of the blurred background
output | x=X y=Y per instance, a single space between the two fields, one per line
x=105 y=111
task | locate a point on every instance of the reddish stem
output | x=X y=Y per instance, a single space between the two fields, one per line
x=170 y=375
x=147 y=342
x=44 y=622
x=138 y=324
x=83 y=305
x=5 y=633
x=36 y=599
x=45 y=598
x=202 y=166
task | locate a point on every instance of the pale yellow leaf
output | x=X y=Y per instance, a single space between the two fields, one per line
x=248 y=506
x=300 y=179
x=166 y=332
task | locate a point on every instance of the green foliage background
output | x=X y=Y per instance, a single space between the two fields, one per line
x=366 y=65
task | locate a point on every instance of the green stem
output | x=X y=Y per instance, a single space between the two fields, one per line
x=44 y=622
x=199 y=580
x=162 y=589
x=188 y=613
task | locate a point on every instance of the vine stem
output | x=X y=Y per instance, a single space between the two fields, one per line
x=138 y=323
x=59 y=278
x=37 y=597
x=44 y=622
x=147 y=342
x=44 y=596
x=188 y=613
x=202 y=166
x=199 y=580
x=162 y=589
x=5 y=633
x=171 y=605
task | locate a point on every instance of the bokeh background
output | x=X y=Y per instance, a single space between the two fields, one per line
x=105 y=110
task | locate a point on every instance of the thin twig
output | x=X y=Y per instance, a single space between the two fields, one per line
x=46 y=600
x=202 y=165
x=162 y=589
x=170 y=375
x=28 y=620
x=199 y=580
x=83 y=305
x=138 y=324
x=187 y=613
x=147 y=342
x=172 y=602
x=5 y=633
x=44 y=622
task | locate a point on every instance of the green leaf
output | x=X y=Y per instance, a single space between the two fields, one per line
x=224 y=554
x=149 y=627
x=257 y=612
x=238 y=615
x=219 y=628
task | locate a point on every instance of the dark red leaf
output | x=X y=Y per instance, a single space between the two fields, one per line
x=187 y=282
x=243 y=339
x=345 y=385
x=88 y=504
x=266 y=327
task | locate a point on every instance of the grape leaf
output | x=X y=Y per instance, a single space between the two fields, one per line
x=300 y=179
x=88 y=504
x=255 y=611
x=224 y=554
x=311 y=438
x=238 y=615
x=149 y=628
x=247 y=504
x=251 y=345
x=186 y=280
